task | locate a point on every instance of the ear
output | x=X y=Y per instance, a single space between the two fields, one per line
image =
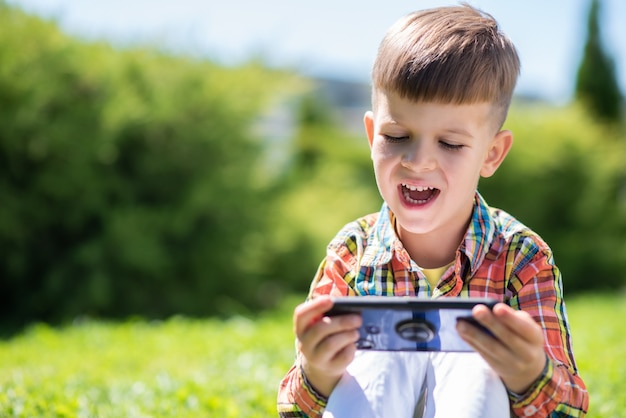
x=368 y=121
x=497 y=151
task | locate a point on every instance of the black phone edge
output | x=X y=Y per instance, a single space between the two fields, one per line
x=355 y=304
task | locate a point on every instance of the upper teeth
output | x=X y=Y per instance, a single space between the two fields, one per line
x=417 y=188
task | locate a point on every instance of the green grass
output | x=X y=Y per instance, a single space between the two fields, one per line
x=598 y=325
x=184 y=368
x=176 y=368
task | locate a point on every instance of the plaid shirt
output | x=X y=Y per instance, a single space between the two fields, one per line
x=499 y=258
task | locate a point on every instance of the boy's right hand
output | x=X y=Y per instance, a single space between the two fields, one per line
x=327 y=343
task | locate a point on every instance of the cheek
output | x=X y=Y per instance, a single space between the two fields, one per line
x=466 y=165
x=379 y=170
x=383 y=163
x=383 y=170
x=383 y=153
x=462 y=174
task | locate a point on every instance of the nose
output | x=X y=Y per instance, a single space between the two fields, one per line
x=419 y=156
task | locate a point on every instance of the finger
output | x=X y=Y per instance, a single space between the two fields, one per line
x=334 y=347
x=328 y=351
x=506 y=324
x=344 y=356
x=519 y=322
x=326 y=328
x=310 y=312
x=479 y=336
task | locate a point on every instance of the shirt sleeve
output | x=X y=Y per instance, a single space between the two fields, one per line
x=296 y=396
x=559 y=391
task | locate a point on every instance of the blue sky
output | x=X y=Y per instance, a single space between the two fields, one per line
x=338 y=37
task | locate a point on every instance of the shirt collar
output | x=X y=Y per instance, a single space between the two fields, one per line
x=382 y=240
x=383 y=243
x=480 y=234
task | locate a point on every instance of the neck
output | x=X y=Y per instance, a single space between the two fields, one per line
x=435 y=249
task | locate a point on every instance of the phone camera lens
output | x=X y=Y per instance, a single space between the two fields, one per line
x=420 y=331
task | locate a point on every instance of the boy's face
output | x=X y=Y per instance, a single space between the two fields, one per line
x=428 y=158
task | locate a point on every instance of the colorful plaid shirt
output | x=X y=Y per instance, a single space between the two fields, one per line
x=499 y=258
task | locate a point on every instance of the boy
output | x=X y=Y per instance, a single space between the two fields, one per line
x=442 y=84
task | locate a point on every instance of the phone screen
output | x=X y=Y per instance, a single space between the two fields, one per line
x=393 y=323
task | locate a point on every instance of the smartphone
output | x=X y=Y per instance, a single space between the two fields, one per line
x=398 y=323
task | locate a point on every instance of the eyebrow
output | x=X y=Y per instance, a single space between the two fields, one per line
x=456 y=131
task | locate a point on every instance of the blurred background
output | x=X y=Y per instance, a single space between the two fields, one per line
x=337 y=39
x=189 y=157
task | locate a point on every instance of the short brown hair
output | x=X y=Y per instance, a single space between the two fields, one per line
x=453 y=54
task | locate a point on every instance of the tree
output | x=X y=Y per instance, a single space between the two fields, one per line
x=596 y=83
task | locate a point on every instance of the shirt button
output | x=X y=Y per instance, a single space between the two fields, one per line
x=530 y=411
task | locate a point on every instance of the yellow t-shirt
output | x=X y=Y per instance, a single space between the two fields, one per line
x=433 y=275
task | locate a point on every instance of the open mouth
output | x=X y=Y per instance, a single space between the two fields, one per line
x=418 y=195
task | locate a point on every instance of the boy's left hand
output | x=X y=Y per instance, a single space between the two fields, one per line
x=516 y=353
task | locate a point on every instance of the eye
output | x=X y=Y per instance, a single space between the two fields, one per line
x=449 y=146
x=395 y=139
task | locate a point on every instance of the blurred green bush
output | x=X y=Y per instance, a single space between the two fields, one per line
x=134 y=182
x=565 y=178
x=130 y=181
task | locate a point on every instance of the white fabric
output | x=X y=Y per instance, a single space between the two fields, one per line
x=409 y=384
